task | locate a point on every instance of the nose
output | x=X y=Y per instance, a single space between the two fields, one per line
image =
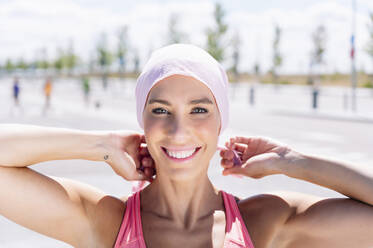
x=178 y=130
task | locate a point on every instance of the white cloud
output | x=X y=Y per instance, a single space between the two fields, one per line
x=30 y=25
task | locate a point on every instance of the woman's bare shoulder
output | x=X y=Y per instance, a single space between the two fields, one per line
x=277 y=202
x=107 y=219
x=265 y=214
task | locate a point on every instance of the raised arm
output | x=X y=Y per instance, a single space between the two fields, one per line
x=312 y=223
x=331 y=222
x=60 y=208
x=23 y=145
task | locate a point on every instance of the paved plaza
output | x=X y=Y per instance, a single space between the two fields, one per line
x=282 y=113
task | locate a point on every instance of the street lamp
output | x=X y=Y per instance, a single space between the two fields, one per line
x=352 y=55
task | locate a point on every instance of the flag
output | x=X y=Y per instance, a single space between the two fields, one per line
x=352 y=52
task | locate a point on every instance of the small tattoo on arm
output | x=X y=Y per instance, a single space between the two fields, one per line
x=106 y=157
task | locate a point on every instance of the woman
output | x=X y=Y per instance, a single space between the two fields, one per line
x=182 y=106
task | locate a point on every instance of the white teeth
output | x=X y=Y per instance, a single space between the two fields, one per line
x=181 y=154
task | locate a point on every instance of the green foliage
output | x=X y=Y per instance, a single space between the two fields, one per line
x=42 y=61
x=277 y=57
x=21 y=64
x=42 y=64
x=122 y=47
x=9 y=66
x=215 y=44
x=66 y=59
x=59 y=63
x=105 y=57
x=236 y=54
x=368 y=84
x=336 y=76
x=285 y=82
x=319 y=44
x=71 y=59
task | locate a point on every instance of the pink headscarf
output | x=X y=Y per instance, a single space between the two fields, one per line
x=187 y=60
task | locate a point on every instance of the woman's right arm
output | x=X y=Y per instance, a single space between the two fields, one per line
x=23 y=145
x=59 y=208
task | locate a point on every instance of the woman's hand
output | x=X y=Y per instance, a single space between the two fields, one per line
x=259 y=156
x=129 y=157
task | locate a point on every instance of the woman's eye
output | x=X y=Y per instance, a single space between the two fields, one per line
x=199 y=110
x=159 y=111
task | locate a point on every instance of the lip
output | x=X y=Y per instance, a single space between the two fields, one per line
x=183 y=149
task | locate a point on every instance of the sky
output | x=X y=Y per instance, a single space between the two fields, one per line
x=28 y=26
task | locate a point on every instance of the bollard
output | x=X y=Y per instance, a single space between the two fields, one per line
x=315 y=94
x=252 y=96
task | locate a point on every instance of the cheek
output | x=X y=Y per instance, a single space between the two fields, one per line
x=212 y=124
x=152 y=131
x=208 y=129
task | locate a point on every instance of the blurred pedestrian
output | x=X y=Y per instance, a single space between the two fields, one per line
x=47 y=93
x=16 y=90
x=15 y=107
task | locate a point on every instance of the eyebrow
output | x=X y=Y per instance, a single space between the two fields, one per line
x=196 y=101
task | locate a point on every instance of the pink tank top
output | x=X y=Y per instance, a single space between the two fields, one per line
x=130 y=234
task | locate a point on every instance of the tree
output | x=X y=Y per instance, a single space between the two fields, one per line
x=276 y=57
x=9 y=66
x=21 y=64
x=59 y=62
x=174 y=34
x=317 y=59
x=71 y=59
x=122 y=48
x=317 y=54
x=369 y=46
x=104 y=57
x=236 y=42
x=319 y=43
x=42 y=60
x=215 y=35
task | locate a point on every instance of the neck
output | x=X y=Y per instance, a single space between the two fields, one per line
x=184 y=202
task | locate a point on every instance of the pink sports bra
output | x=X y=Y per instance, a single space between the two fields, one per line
x=131 y=236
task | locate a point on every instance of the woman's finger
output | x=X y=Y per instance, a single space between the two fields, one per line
x=241 y=148
x=148 y=172
x=138 y=175
x=243 y=140
x=144 y=151
x=226 y=163
x=147 y=162
x=234 y=170
x=227 y=154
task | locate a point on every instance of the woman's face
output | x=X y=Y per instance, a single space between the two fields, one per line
x=181 y=125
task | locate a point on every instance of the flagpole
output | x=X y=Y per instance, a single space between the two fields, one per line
x=353 y=55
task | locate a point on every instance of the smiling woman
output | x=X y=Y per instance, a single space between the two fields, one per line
x=182 y=106
x=185 y=122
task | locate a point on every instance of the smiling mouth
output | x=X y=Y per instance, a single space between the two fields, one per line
x=181 y=156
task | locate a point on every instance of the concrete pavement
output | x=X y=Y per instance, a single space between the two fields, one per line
x=346 y=139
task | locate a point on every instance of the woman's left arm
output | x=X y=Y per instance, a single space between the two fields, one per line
x=348 y=179
x=334 y=222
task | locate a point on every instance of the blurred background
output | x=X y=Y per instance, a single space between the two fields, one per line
x=299 y=71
